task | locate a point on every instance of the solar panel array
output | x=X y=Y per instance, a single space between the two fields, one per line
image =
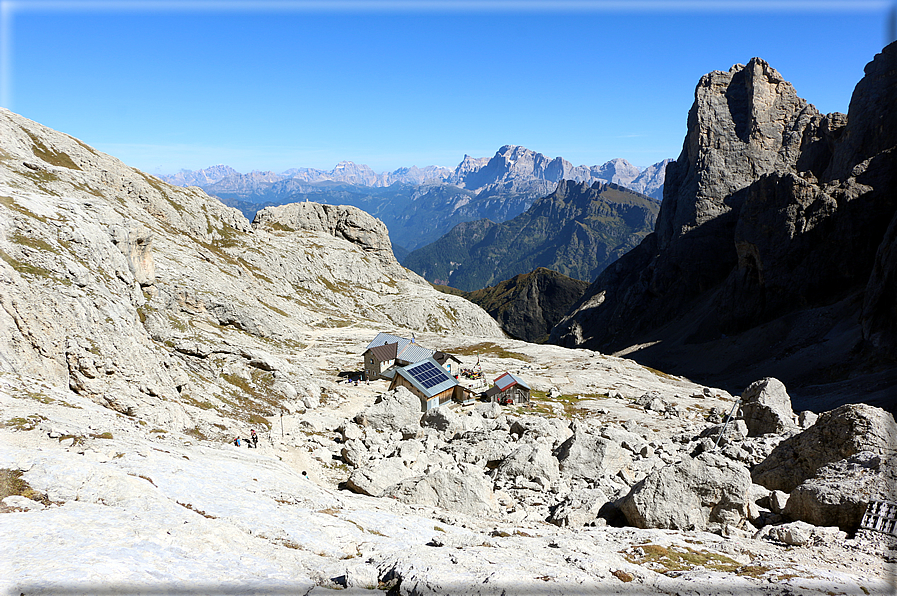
x=428 y=375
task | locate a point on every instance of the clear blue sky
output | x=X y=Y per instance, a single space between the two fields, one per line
x=274 y=85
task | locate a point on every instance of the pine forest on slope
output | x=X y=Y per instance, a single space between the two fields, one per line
x=578 y=230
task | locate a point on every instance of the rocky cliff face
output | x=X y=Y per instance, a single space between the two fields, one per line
x=160 y=300
x=529 y=305
x=774 y=246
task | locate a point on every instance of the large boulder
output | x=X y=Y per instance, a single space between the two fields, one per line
x=578 y=508
x=837 y=434
x=766 y=407
x=838 y=494
x=690 y=495
x=549 y=430
x=588 y=456
x=469 y=493
x=375 y=479
x=394 y=410
x=442 y=419
x=532 y=461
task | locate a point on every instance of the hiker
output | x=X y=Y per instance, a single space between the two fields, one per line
x=304 y=475
x=237 y=441
x=254 y=437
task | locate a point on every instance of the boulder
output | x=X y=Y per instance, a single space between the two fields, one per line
x=838 y=493
x=353 y=452
x=589 y=456
x=690 y=495
x=532 y=461
x=469 y=493
x=766 y=407
x=801 y=534
x=536 y=427
x=837 y=434
x=442 y=419
x=374 y=480
x=578 y=508
x=777 y=501
x=806 y=419
x=393 y=410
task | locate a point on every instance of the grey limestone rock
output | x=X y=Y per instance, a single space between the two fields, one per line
x=578 y=508
x=393 y=410
x=342 y=221
x=800 y=533
x=691 y=494
x=766 y=407
x=776 y=235
x=587 y=455
x=372 y=480
x=469 y=492
x=442 y=419
x=838 y=493
x=533 y=462
x=837 y=434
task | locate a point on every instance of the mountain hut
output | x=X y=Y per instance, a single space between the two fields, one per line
x=509 y=389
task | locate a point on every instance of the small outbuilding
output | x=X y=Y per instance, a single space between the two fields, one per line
x=509 y=389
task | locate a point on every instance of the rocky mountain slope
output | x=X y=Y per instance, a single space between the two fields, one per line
x=774 y=246
x=529 y=305
x=143 y=327
x=418 y=205
x=146 y=296
x=577 y=230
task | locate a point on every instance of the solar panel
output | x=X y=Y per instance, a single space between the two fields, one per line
x=428 y=375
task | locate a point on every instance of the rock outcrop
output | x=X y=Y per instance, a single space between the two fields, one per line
x=692 y=494
x=766 y=408
x=837 y=435
x=160 y=302
x=775 y=235
x=529 y=305
x=341 y=221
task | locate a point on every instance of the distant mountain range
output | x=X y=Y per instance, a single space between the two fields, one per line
x=577 y=230
x=419 y=205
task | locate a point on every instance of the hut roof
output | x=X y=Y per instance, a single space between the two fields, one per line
x=507 y=380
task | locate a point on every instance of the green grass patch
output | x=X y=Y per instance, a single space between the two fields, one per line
x=35 y=243
x=11 y=483
x=50 y=156
x=488 y=349
x=10 y=203
x=27 y=423
x=676 y=558
x=661 y=374
x=274 y=308
x=26 y=268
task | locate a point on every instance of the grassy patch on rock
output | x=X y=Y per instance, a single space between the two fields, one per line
x=11 y=483
x=662 y=559
x=488 y=349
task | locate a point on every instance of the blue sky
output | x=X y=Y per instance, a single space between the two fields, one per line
x=278 y=84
